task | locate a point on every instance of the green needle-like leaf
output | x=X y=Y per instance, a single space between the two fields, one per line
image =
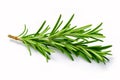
x=24 y=31
x=40 y=28
x=70 y=40
x=68 y=21
x=56 y=25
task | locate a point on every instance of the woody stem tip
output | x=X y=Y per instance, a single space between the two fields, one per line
x=13 y=37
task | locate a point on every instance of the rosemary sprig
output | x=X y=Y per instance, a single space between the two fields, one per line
x=70 y=40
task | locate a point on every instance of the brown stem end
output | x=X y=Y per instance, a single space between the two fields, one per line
x=13 y=37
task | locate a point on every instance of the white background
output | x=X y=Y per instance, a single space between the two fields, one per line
x=15 y=62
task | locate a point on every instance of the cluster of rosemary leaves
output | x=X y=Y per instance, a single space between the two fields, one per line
x=70 y=40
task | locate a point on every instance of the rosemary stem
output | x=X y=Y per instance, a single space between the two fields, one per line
x=13 y=37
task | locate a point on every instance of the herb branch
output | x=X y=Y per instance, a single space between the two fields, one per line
x=70 y=40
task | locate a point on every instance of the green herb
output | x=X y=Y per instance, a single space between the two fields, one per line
x=70 y=40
